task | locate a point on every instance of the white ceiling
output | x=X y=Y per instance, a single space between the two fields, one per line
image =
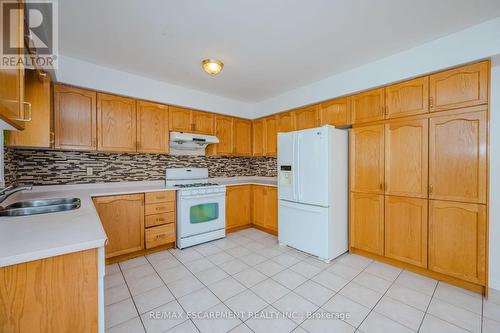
x=268 y=46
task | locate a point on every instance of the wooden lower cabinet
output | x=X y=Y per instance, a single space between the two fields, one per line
x=238 y=206
x=160 y=235
x=406 y=230
x=258 y=213
x=457 y=240
x=367 y=222
x=56 y=294
x=265 y=207
x=122 y=217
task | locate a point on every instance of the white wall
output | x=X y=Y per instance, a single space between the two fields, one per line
x=494 y=263
x=88 y=75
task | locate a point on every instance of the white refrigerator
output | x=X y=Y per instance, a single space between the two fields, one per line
x=312 y=191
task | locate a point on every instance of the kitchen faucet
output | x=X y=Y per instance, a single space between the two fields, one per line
x=9 y=190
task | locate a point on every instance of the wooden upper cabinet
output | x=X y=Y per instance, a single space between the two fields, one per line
x=203 y=122
x=406 y=158
x=336 y=112
x=242 y=137
x=180 y=119
x=152 y=127
x=122 y=217
x=75 y=118
x=457 y=240
x=459 y=87
x=368 y=106
x=286 y=122
x=407 y=98
x=367 y=222
x=38 y=131
x=116 y=123
x=271 y=136
x=457 y=157
x=306 y=117
x=406 y=230
x=258 y=137
x=238 y=204
x=223 y=131
x=367 y=159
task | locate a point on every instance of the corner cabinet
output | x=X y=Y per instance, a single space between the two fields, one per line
x=265 y=207
x=238 y=206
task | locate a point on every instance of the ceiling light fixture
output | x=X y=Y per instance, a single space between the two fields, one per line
x=212 y=66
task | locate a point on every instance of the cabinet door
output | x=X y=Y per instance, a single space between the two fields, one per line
x=242 y=137
x=179 y=119
x=457 y=240
x=286 y=122
x=406 y=158
x=75 y=118
x=459 y=87
x=367 y=159
x=407 y=98
x=271 y=208
x=258 y=207
x=122 y=217
x=336 y=112
x=368 y=106
x=224 y=131
x=457 y=157
x=152 y=127
x=38 y=131
x=271 y=136
x=203 y=122
x=406 y=230
x=306 y=117
x=258 y=138
x=367 y=222
x=116 y=123
x=238 y=199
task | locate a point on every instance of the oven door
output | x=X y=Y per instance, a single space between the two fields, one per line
x=201 y=213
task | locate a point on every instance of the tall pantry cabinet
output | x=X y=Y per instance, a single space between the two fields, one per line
x=418 y=175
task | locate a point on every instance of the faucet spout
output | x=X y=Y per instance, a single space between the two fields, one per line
x=10 y=190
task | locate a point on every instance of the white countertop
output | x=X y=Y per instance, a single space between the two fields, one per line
x=28 y=238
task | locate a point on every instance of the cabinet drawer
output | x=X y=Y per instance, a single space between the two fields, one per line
x=159 y=219
x=160 y=235
x=160 y=208
x=156 y=197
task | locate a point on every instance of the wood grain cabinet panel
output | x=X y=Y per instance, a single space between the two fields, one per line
x=258 y=212
x=160 y=235
x=271 y=136
x=286 y=122
x=336 y=112
x=368 y=106
x=457 y=157
x=116 y=123
x=242 y=137
x=367 y=159
x=57 y=294
x=75 y=118
x=407 y=98
x=238 y=206
x=459 y=87
x=203 y=122
x=271 y=208
x=180 y=119
x=457 y=240
x=38 y=131
x=258 y=137
x=406 y=230
x=122 y=217
x=406 y=158
x=306 y=117
x=367 y=222
x=152 y=127
x=223 y=131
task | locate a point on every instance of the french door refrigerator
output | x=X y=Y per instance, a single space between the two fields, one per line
x=312 y=191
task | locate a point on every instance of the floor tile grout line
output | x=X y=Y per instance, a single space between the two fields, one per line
x=428 y=305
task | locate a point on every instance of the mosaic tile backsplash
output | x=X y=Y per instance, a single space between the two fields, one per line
x=54 y=167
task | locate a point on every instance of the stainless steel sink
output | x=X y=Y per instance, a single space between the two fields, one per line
x=40 y=206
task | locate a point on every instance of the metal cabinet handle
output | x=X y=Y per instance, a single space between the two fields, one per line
x=24 y=119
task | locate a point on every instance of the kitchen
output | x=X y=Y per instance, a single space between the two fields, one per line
x=137 y=198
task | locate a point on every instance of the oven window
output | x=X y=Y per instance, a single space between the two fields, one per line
x=204 y=213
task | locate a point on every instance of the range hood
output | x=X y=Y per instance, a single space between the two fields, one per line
x=182 y=143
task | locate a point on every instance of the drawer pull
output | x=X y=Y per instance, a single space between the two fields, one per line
x=158 y=237
x=161 y=198
x=159 y=208
x=160 y=219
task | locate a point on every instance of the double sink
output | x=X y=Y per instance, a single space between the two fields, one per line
x=40 y=206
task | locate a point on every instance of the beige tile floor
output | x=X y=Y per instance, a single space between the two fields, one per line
x=248 y=283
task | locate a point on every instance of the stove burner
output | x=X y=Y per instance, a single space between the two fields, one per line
x=195 y=185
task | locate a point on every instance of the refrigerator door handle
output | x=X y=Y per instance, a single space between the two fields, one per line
x=297 y=165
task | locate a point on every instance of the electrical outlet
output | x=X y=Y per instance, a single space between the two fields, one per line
x=90 y=171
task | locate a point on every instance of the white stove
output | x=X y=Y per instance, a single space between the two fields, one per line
x=201 y=206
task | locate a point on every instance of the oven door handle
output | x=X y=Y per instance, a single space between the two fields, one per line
x=195 y=196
